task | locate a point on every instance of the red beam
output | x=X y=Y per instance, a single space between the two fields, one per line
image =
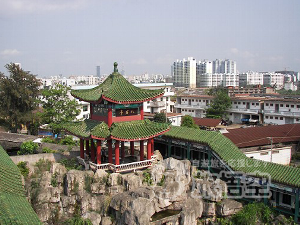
x=132 y=148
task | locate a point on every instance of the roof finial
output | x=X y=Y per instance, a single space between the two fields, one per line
x=115 y=67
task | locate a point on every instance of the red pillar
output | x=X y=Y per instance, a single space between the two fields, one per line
x=152 y=145
x=141 y=150
x=132 y=148
x=117 y=153
x=122 y=150
x=149 y=149
x=82 y=148
x=109 y=117
x=87 y=147
x=98 y=152
x=109 y=142
x=92 y=151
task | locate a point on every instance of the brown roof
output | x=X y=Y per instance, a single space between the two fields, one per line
x=207 y=122
x=257 y=136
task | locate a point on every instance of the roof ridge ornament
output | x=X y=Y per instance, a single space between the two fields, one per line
x=115 y=67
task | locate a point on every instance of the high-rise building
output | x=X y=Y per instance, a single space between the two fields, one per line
x=224 y=66
x=98 y=71
x=204 y=66
x=184 y=73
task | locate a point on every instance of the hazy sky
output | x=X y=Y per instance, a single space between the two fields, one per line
x=51 y=37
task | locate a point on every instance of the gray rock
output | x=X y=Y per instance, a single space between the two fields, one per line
x=192 y=210
x=209 y=209
x=228 y=207
x=94 y=217
x=106 y=221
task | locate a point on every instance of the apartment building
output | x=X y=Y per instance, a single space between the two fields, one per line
x=246 y=109
x=184 y=73
x=217 y=79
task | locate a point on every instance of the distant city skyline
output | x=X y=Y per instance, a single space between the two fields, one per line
x=72 y=37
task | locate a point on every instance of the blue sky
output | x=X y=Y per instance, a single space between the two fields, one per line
x=72 y=37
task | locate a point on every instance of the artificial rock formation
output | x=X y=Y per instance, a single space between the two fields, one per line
x=131 y=198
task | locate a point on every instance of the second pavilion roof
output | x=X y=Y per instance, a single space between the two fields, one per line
x=118 y=90
x=123 y=131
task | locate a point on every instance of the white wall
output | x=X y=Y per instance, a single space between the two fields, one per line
x=279 y=155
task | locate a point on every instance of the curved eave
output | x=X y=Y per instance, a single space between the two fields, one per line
x=76 y=135
x=131 y=102
x=140 y=138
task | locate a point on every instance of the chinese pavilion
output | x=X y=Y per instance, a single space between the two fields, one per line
x=116 y=116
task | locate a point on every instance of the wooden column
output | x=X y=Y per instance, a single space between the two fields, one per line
x=149 y=150
x=82 y=148
x=132 y=148
x=98 y=152
x=109 y=143
x=142 y=111
x=117 y=153
x=122 y=150
x=92 y=151
x=141 y=150
x=87 y=147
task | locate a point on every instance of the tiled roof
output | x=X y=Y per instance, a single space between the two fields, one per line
x=207 y=122
x=88 y=128
x=14 y=207
x=118 y=90
x=231 y=155
x=138 y=129
x=132 y=130
x=257 y=136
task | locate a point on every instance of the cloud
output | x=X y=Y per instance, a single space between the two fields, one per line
x=10 y=52
x=31 y=6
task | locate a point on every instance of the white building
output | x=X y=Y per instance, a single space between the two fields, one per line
x=160 y=104
x=218 y=79
x=184 y=73
x=251 y=78
x=204 y=66
x=274 y=80
x=224 y=66
x=268 y=110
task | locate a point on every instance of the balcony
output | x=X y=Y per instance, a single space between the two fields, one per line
x=250 y=111
x=193 y=106
x=158 y=104
x=282 y=113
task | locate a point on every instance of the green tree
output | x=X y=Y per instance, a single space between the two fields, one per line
x=187 y=121
x=28 y=147
x=18 y=93
x=58 y=108
x=160 y=118
x=219 y=104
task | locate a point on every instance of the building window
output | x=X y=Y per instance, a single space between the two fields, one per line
x=192 y=110
x=271 y=104
x=85 y=108
x=281 y=105
x=287 y=105
x=243 y=103
x=234 y=102
x=292 y=106
x=230 y=114
x=239 y=103
x=196 y=100
x=276 y=118
x=189 y=110
x=192 y=100
x=286 y=199
x=298 y=106
x=161 y=99
x=267 y=117
x=271 y=117
x=257 y=103
x=267 y=104
x=264 y=153
x=281 y=118
x=167 y=98
x=252 y=103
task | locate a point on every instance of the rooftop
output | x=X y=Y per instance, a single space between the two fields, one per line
x=207 y=122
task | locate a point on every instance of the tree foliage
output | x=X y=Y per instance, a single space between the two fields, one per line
x=28 y=147
x=18 y=93
x=160 y=118
x=187 y=121
x=58 y=108
x=219 y=104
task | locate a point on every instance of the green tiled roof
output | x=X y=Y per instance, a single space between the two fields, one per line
x=139 y=129
x=14 y=207
x=237 y=160
x=117 y=89
x=131 y=130
x=87 y=128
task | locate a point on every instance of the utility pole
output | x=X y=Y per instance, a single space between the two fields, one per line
x=271 y=140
